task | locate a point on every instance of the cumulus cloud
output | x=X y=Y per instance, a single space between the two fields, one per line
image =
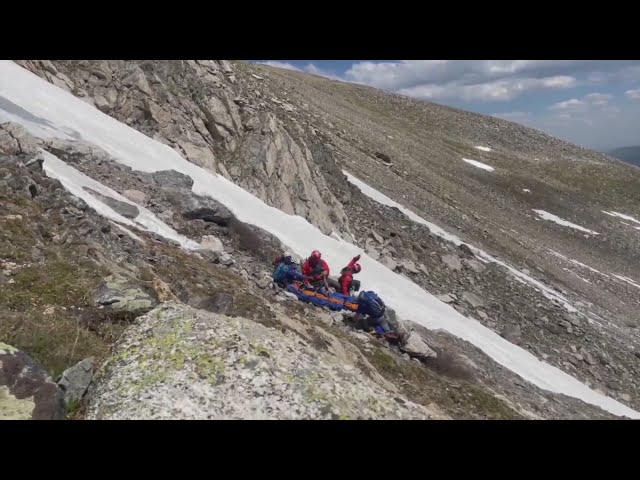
x=572 y=105
x=474 y=80
x=633 y=94
x=589 y=103
x=501 y=90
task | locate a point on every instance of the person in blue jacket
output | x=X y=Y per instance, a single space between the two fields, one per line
x=372 y=313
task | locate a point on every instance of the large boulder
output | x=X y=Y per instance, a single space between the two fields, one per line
x=180 y=363
x=123 y=294
x=27 y=392
x=173 y=179
x=15 y=140
x=195 y=207
x=417 y=348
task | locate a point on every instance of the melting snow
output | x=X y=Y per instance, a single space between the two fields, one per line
x=481 y=165
x=484 y=149
x=622 y=215
x=576 y=262
x=65 y=113
x=574 y=273
x=74 y=181
x=526 y=190
x=628 y=280
x=127 y=231
x=551 y=217
x=481 y=254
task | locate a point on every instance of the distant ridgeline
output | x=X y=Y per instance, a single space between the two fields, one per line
x=627 y=154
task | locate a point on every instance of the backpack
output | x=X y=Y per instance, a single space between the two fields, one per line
x=370 y=304
x=280 y=273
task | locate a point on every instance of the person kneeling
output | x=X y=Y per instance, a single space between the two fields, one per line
x=371 y=313
x=316 y=271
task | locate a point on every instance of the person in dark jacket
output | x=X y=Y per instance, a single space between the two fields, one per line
x=372 y=313
x=346 y=277
x=316 y=270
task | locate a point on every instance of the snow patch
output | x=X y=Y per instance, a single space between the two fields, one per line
x=75 y=181
x=526 y=190
x=622 y=215
x=484 y=149
x=628 y=280
x=574 y=273
x=481 y=165
x=576 y=262
x=436 y=230
x=553 y=218
x=127 y=231
x=64 y=113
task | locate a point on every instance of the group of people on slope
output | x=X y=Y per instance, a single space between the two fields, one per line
x=371 y=313
x=316 y=273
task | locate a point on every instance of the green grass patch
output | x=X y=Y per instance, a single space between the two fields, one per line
x=57 y=341
x=55 y=283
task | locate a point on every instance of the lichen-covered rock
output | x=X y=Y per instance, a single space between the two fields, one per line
x=27 y=392
x=180 y=363
x=74 y=381
x=120 y=293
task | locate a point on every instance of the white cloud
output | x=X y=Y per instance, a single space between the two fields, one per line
x=501 y=90
x=476 y=80
x=633 y=94
x=589 y=103
x=573 y=105
x=598 y=99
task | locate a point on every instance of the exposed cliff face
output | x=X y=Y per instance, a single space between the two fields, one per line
x=215 y=117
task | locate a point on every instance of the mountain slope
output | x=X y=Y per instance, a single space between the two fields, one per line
x=351 y=129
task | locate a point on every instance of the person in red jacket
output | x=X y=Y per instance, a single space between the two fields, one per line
x=316 y=270
x=347 y=273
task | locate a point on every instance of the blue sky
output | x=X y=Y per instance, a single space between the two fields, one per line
x=595 y=103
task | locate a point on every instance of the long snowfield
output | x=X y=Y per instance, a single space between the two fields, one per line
x=48 y=111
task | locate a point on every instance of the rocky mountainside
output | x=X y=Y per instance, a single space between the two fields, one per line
x=224 y=344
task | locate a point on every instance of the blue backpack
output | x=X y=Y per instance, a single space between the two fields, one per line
x=281 y=273
x=370 y=304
